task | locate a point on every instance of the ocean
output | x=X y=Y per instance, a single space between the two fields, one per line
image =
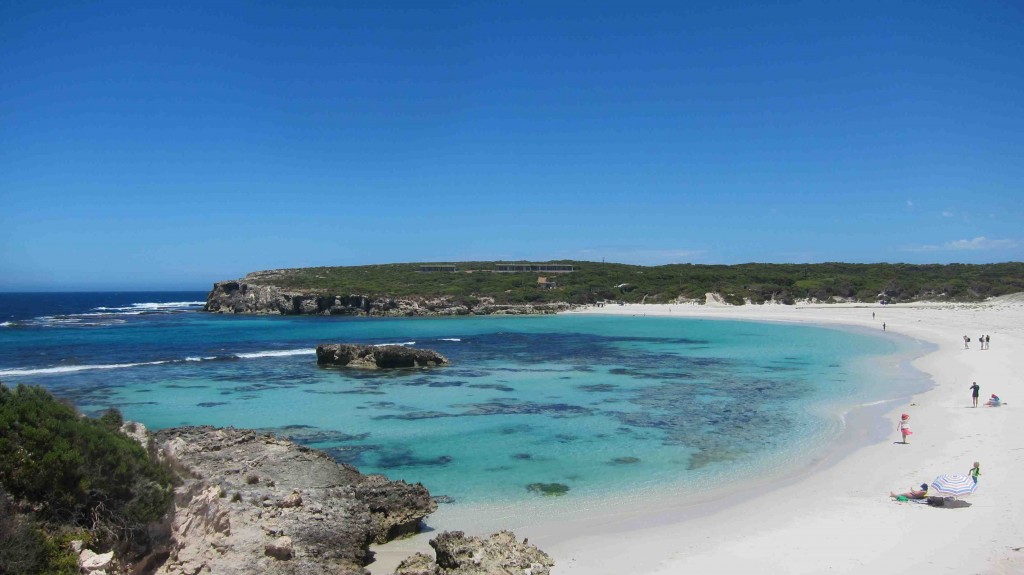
x=559 y=410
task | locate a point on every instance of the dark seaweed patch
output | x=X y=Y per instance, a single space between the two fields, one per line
x=351 y=454
x=405 y=458
x=494 y=386
x=548 y=489
x=598 y=388
x=416 y=415
x=211 y=403
x=357 y=391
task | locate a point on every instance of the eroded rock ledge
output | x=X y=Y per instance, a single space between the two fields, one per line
x=248 y=298
x=499 y=554
x=376 y=356
x=252 y=503
x=257 y=504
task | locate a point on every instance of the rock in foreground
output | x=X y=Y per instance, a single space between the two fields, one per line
x=499 y=554
x=376 y=356
x=257 y=504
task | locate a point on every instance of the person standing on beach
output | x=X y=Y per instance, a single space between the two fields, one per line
x=987 y=339
x=966 y=341
x=903 y=426
x=975 y=388
x=883 y=326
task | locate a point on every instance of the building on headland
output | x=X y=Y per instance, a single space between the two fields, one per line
x=545 y=283
x=547 y=268
x=439 y=268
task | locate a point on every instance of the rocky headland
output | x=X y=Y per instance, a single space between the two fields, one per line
x=376 y=356
x=243 y=297
x=253 y=503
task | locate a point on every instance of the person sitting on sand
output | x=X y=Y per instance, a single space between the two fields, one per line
x=913 y=493
x=993 y=401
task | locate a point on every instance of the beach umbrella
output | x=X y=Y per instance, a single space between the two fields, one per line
x=953 y=485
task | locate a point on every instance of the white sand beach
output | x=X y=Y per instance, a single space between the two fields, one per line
x=837 y=517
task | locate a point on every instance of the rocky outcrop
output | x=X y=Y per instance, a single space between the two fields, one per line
x=256 y=504
x=376 y=356
x=239 y=296
x=499 y=554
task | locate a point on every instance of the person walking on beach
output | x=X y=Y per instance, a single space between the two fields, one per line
x=975 y=471
x=975 y=388
x=883 y=326
x=981 y=342
x=903 y=426
x=987 y=339
x=966 y=341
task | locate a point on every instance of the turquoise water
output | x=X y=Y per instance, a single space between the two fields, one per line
x=597 y=404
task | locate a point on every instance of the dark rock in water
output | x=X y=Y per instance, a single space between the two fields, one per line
x=252 y=503
x=548 y=489
x=625 y=460
x=499 y=554
x=376 y=356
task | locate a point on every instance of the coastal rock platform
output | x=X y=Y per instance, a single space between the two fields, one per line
x=253 y=503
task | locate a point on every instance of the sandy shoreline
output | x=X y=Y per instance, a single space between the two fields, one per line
x=838 y=518
x=835 y=515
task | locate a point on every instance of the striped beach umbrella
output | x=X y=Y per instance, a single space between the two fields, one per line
x=953 y=485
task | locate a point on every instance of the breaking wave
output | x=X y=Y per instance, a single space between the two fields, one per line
x=190 y=359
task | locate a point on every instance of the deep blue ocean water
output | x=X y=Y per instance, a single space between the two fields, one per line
x=599 y=404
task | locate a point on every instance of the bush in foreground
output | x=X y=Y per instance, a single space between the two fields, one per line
x=76 y=472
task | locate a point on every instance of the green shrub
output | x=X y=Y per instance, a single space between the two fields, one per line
x=78 y=471
x=27 y=549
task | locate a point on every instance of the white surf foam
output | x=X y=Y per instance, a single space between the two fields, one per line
x=451 y=339
x=275 y=353
x=73 y=368
x=152 y=306
x=397 y=343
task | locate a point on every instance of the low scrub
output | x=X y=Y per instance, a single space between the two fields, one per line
x=73 y=472
x=594 y=281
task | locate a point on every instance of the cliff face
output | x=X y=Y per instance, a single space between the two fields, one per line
x=248 y=298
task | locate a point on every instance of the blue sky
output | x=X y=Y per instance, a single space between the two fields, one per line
x=147 y=145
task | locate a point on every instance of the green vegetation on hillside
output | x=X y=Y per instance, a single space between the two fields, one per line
x=64 y=473
x=593 y=282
